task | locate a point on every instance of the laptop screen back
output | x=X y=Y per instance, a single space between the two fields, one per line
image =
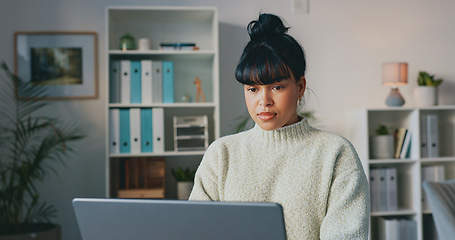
x=174 y=219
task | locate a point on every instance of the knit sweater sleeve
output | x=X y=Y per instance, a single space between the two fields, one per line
x=207 y=177
x=348 y=202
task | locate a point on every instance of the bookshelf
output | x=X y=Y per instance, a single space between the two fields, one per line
x=411 y=169
x=143 y=170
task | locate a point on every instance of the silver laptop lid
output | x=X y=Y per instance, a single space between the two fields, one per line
x=175 y=219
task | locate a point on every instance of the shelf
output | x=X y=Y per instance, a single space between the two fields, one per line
x=437 y=160
x=401 y=212
x=391 y=161
x=192 y=53
x=163 y=105
x=162 y=154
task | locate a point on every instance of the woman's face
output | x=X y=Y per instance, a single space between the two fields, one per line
x=274 y=106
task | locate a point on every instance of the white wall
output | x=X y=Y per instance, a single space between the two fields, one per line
x=345 y=42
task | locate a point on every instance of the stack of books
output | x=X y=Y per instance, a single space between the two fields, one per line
x=402 y=143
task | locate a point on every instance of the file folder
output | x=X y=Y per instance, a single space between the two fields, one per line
x=136 y=82
x=114 y=128
x=157 y=82
x=135 y=130
x=146 y=130
x=124 y=116
x=125 y=94
x=158 y=129
x=114 y=82
x=168 y=82
x=146 y=81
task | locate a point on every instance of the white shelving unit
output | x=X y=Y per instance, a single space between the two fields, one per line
x=409 y=178
x=164 y=25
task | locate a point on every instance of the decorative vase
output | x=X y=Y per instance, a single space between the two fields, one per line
x=127 y=42
x=382 y=147
x=425 y=96
x=184 y=190
x=35 y=231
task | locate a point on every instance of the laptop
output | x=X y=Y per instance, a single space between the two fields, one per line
x=177 y=219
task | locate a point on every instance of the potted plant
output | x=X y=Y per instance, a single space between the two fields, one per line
x=185 y=181
x=29 y=146
x=381 y=144
x=426 y=93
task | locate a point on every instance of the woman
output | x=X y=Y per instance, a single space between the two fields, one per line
x=316 y=176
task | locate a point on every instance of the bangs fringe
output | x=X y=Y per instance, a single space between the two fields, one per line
x=262 y=69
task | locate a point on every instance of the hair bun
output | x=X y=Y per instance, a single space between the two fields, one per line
x=267 y=25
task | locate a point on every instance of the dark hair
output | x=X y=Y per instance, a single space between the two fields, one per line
x=271 y=55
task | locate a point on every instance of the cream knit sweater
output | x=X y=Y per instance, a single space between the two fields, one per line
x=316 y=176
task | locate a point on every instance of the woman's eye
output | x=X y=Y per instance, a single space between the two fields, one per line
x=278 y=87
x=251 y=89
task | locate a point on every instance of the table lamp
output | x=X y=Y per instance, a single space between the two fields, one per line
x=394 y=73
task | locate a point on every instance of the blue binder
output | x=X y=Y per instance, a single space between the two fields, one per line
x=125 y=145
x=136 y=82
x=168 y=82
x=146 y=130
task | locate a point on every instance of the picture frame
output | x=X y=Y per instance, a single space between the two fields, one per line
x=65 y=63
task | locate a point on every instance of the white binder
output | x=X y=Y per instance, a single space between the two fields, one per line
x=158 y=129
x=392 y=189
x=146 y=81
x=432 y=136
x=135 y=130
x=125 y=94
x=114 y=131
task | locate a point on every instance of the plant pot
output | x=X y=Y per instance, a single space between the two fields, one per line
x=34 y=231
x=381 y=147
x=425 y=96
x=184 y=190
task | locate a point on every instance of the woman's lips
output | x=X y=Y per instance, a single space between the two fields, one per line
x=266 y=115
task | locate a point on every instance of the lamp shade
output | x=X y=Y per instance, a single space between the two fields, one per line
x=395 y=73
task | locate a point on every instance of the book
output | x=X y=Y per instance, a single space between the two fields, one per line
x=401 y=134
x=405 y=150
x=178 y=46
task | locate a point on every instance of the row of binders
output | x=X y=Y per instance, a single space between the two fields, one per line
x=136 y=130
x=383 y=189
x=396 y=229
x=429 y=135
x=432 y=173
x=144 y=81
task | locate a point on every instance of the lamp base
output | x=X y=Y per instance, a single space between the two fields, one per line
x=394 y=99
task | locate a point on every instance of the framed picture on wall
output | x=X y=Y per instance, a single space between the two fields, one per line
x=65 y=63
